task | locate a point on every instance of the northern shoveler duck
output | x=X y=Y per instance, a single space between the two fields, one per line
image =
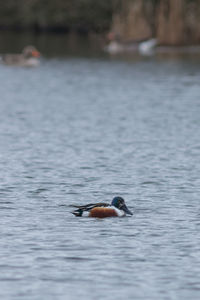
x=117 y=208
x=28 y=58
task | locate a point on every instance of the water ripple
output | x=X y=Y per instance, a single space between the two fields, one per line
x=84 y=130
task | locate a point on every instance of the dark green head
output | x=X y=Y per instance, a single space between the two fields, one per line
x=119 y=203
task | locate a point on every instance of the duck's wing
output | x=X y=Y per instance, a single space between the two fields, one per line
x=12 y=59
x=80 y=209
x=90 y=205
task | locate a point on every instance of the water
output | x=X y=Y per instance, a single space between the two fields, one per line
x=80 y=130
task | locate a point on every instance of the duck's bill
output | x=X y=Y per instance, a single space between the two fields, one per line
x=36 y=53
x=126 y=210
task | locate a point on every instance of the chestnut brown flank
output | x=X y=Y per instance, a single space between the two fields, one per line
x=102 y=212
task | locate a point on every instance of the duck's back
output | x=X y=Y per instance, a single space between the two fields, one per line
x=19 y=60
x=12 y=59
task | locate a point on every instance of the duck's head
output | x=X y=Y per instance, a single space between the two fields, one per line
x=31 y=51
x=119 y=203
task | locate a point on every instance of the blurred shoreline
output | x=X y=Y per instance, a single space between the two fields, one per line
x=92 y=45
x=170 y=22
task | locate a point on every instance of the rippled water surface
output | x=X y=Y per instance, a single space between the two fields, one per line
x=80 y=130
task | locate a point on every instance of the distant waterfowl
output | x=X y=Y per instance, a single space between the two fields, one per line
x=144 y=47
x=117 y=208
x=28 y=58
x=147 y=47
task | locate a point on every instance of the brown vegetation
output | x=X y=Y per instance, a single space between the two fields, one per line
x=172 y=22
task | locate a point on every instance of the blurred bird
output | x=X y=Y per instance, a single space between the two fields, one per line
x=28 y=58
x=147 y=47
x=117 y=45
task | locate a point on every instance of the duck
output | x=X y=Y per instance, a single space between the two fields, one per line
x=28 y=58
x=117 y=208
x=147 y=47
x=116 y=45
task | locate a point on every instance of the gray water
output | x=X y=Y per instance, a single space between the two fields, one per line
x=78 y=130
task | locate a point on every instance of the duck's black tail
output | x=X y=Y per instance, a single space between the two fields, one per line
x=78 y=212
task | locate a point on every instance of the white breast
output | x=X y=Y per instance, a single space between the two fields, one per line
x=120 y=213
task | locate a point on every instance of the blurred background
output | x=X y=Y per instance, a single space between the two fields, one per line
x=52 y=25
